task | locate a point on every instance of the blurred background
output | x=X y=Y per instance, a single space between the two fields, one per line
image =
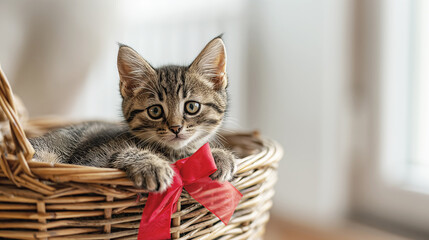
x=343 y=85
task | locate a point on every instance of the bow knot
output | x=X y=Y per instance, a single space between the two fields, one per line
x=201 y=164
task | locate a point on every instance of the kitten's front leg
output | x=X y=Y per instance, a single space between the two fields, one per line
x=146 y=169
x=225 y=163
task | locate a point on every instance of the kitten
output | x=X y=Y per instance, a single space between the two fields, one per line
x=169 y=113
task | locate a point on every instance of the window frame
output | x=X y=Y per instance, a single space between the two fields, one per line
x=379 y=192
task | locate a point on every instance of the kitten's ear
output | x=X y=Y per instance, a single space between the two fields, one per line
x=211 y=62
x=134 y=71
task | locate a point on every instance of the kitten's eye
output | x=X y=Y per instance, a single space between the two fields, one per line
x=192 y=107
x=155 y=111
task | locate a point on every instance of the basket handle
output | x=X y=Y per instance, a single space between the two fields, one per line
x=22 y=147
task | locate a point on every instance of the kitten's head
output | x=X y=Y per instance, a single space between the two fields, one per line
x=174 y=106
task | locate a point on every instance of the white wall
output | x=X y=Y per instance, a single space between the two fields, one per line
x=48 y=48
x=299 y=78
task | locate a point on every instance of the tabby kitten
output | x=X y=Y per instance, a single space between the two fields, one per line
x=170 y=112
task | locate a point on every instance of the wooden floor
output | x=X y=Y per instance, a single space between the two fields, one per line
x=279 y=229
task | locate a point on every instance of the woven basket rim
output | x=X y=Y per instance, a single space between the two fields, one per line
x=120 y=177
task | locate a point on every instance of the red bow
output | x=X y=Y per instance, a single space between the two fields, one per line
x=192 y=173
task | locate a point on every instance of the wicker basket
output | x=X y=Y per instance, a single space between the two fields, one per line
x=61 y=201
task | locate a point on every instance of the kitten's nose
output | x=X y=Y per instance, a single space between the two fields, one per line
x=176 y=129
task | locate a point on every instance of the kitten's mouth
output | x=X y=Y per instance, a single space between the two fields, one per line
x=178 y=141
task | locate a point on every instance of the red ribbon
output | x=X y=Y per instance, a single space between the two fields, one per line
x=192 y=173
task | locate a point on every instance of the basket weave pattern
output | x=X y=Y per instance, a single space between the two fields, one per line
x=61 y=201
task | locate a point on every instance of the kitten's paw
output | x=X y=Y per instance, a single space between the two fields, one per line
x=153 y=174
x=225 y=163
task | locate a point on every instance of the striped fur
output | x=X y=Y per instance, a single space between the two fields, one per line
x=192 y=101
